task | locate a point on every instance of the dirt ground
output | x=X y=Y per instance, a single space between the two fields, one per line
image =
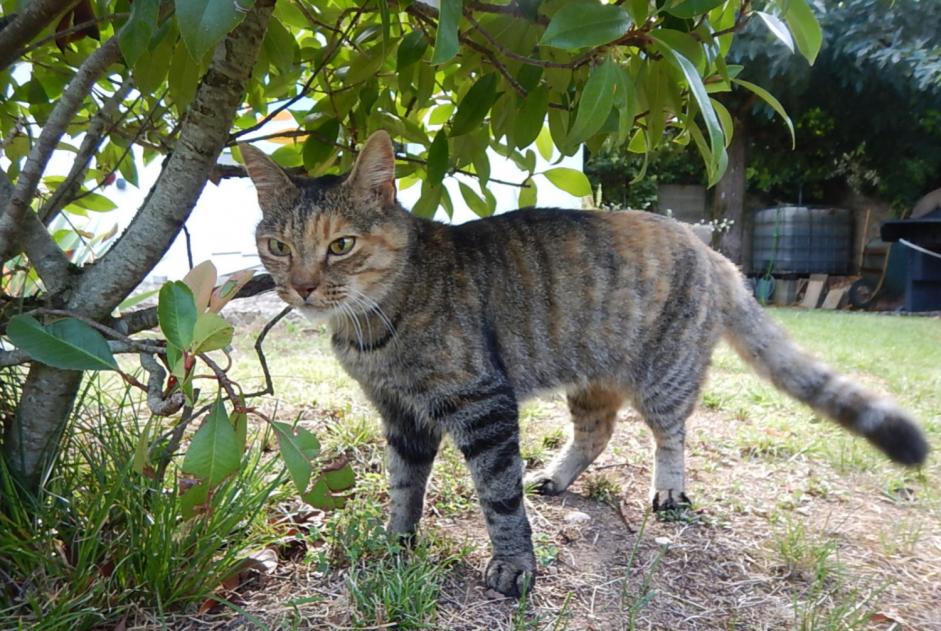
x=779 y=539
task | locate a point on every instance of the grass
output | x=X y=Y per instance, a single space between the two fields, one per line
x=104 y=541
x=797 y=524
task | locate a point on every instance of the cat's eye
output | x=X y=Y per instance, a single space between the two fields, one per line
x=278 y=248
x=341 y=246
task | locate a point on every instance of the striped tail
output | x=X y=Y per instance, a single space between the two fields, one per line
x=767 y=347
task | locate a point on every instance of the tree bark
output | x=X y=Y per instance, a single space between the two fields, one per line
x=31 y=441
x=27 y=24
x=729 y=196
x=203 y=135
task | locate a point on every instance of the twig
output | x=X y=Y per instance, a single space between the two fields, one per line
x=159 y=405
x=94 y=134
x=152 y=347
x=269 y=385
x=16 y=357
x=328 y=55
x=224 y=381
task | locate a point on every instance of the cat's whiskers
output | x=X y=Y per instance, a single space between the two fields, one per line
x=360 y=304
x=357 y=329
x=374 y=307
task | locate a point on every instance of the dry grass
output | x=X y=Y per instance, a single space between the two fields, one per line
x=796 y=525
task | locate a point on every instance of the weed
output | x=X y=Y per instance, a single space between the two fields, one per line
x=635 y=599
x=400 y=590
x=545 y=549
x=603 y=488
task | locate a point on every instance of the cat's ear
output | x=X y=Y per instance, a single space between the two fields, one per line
x=275 y=189
x=374 y=170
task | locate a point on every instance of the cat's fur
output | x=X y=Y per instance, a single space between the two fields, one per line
x=447 y=328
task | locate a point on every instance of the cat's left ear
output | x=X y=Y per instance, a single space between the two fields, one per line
x=374 y=170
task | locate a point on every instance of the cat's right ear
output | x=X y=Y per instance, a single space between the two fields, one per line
x=275 y=189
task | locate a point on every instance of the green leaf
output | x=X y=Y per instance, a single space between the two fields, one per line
x=772 y=102
x=569 y=180
x=531 y=116
x=139 y=462
x=203 y=23
x=805 y=28
x=411 y=49
x=473 y=108
x=319 y=496
x=544 y=144
x=693 y=8
x=214 y=453
x=728 y=126
x=182 y=79
x=95 y=202
x=446 y=42
x=151 y=69
x=527 y=194
x=777 y=28
x=320 y=144
x=176 y=313
x=280 y=46
x=427 y=204
x=438 y=158
x=298 y=447
x=68 y=343
x=698 y=90
x=240 y=423
x=195 y=500
x=474 y=201
x=578 y=25
x=134 y=37
x=211 y=333
x=596 y=101
x=341 y=477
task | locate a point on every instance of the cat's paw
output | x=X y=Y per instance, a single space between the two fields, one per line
x=511 y=576
x=542 y=484
x=664 y=501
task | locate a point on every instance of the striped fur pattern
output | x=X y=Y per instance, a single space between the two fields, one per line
x=448 y=328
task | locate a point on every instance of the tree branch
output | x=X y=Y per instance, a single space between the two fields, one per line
x=90 y=143
x=49 y=260
x=11 y=219
x=29 y=22
x=171 y=200
x=16 y=357
x=305 y=89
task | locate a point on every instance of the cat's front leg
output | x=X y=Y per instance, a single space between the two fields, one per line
x=486 y=430
x=412 y=447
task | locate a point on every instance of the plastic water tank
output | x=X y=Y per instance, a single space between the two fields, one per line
x=803 y=240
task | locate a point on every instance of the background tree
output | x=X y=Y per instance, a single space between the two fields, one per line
x=181 y=81
x=867 y=113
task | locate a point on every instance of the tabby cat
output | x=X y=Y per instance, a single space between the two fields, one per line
x=447 y=328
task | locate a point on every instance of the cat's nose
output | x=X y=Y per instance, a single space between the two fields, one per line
x=304 y=289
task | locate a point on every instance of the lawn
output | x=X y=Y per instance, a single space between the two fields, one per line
x=797 y=524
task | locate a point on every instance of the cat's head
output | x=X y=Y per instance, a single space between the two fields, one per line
x=333 y=242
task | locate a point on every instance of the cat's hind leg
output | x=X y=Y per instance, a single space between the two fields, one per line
x=594 y=409
x=665 y=406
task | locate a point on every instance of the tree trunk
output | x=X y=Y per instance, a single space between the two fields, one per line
x=31 y=441
x=729 y=198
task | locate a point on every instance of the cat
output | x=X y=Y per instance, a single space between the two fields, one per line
x=448 y=327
